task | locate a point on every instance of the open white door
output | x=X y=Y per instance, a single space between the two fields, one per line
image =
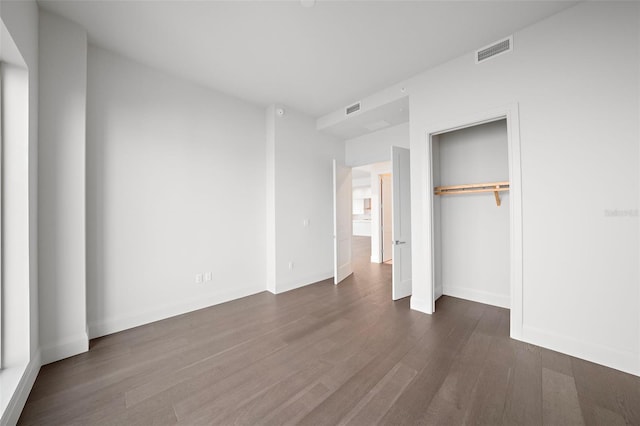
x=342 y=222
x=401 y=189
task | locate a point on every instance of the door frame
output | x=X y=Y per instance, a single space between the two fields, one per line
x=510 y=113
x=377 y=170
x=381 y=214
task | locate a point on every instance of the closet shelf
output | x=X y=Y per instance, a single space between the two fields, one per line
x=472 y=188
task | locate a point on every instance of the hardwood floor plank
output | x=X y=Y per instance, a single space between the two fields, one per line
x=608 y=389
x=297 y=407
x=602 y=416
x=377 y=402
x=433 y=358
x=361 y=379
x=449 y=405
x=245 y=353
x=560 y=404
x=236 y=409
x=556 y=361
x=488 y=399
x=326 y=354
x=524 y=397
x=267 y=370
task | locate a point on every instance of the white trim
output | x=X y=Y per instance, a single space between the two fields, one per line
x=380 y=218
x=479 y=296
x=511 y=114
x=420 y=305
x=377 y=256
x=427 y=306
x=2 y=148
x=430 y=222
x=114 y=325
x=302 y=282
x=70 y=346
x=638 y=355
x=515 y=222
x=14 y=408
x=599 y=354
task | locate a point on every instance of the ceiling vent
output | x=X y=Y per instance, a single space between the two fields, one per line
x=353 y=108
x=494 y=49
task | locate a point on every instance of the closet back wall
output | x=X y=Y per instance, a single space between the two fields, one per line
x=474 y=230
x=175 y=187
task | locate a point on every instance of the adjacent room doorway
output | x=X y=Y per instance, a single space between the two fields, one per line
x=385 y=217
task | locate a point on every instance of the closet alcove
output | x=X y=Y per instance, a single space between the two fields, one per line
x=471 y=221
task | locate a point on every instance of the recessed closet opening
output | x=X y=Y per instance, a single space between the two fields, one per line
x=463 y=230
x=471 y=213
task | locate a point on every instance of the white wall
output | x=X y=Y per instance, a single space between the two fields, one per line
x=474 y=240
x=175 y=184
x=63 y=65
x=301 y=160
x=20 y=20
x=15 y=214
x=578 y=103
x=376 y=147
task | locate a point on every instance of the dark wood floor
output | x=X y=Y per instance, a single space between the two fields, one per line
x=327 y=355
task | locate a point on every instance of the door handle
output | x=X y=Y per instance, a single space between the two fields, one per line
x=398 y=242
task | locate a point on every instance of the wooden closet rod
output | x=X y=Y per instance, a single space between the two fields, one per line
x=472 y=188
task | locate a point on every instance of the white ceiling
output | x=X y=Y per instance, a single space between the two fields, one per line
x=316 y=59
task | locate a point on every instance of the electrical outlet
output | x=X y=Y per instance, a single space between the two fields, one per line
x=305 y=223
x=208 y=276
x=198 y=278
x=291 y=265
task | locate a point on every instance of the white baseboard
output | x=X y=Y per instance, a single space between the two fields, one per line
x=114 y=325
x=479 y=296
x=420 y=305
x=12 y=413
x=302 y=282
x=70 y=346
x=603 y=355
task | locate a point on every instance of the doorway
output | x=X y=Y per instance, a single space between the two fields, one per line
x=471 y=222
x=380 y=213
x=371 y=215
x=511 y=118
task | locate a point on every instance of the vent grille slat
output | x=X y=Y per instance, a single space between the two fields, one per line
x=353 y=108
x=493 y=50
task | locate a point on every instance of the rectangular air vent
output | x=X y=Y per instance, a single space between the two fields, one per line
x=494 y=49
x=353 y=108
